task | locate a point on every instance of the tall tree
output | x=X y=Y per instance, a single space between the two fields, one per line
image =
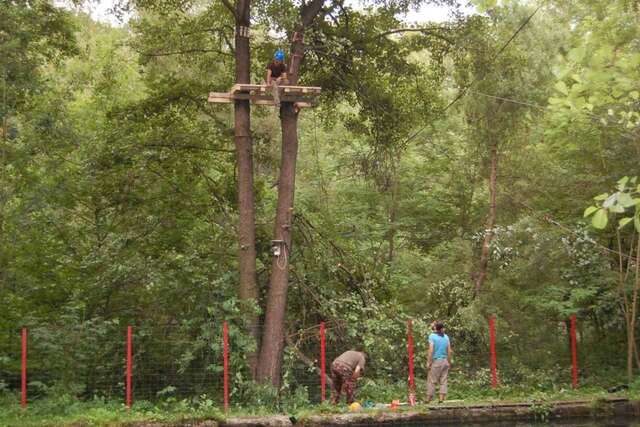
x=33 y=33
x=248 y=288
x=496 y=73
x=270 y=362
x=333 y=66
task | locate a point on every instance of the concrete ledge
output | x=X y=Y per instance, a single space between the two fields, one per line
x=205 y=423
x=438 y=415
x=270 y=421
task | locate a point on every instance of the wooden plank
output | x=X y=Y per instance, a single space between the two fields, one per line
x=302 y=89
x=283 y=98
x=226 y=98
x=241 y=88
x=220 y=97
x=216 y=100
x=247 y=86
x=315 y=89
x=301 y=104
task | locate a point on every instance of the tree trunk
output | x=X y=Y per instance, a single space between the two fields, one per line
x=631 y=335
x=491 y=219
x=248 y=290
x=393 y=214
x=626 y=309
x=270 y=362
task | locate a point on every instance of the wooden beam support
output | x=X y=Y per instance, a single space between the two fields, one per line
x=311 y=90
x=261 y=94
x=226 y=98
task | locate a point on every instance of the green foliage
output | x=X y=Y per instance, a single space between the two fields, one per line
x=119 y=201
x=542 y=410
x=65 y=410
x=625 y=201
x=35 y=34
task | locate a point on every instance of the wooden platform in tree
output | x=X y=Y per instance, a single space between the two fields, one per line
x=261 y=94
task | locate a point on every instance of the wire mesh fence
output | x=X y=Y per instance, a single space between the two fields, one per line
x=147 y=362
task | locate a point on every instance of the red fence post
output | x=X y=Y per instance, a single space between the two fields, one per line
x=492 y=337
x=574 y=353
x=129 y=364
x=412 y=384
x=323 y=368
x=23 y=399
x=225 y=355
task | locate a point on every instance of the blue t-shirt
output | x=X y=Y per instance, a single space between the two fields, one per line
x=440 y=346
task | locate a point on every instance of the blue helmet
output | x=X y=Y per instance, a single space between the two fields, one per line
x=279 y=55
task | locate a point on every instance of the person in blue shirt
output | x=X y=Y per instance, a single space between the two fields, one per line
x=439 y=361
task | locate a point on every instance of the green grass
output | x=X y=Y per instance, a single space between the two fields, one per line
x=65 y=410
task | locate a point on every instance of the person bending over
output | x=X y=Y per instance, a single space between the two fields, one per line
x=345 y=370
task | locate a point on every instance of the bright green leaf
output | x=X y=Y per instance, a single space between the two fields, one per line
x=624 y=221
x=562 y=88
x=617 y=208
x=622 y=182
x=589 y=211
x=576 y=54
x=611 y=200
x=626 y=200
x=602 y=196
x=600 y=219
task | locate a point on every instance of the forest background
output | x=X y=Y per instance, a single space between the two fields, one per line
x=444 y=174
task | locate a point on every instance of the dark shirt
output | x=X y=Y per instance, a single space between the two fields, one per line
x=277 y=69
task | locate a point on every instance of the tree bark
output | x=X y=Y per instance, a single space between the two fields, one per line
x=270 y=361
x=248 y=289
x=393 y=213
x=631 y=336
x=491 y=219
x=627 y=311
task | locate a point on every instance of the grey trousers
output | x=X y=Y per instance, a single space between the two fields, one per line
x=438 y=374
x=275 y=90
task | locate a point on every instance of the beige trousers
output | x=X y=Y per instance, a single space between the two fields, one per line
x=275 y=90
x=438 y=375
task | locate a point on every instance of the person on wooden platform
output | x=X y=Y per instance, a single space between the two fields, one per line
x=277 y=75
x=277 y=69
